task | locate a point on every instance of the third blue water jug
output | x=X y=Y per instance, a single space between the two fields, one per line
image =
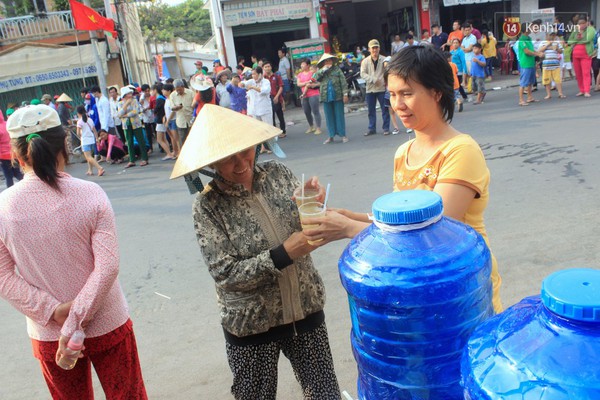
x=418 y=284
x=543 y=348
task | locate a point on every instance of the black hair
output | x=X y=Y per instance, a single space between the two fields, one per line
x=84 y=90
x=42 y=153
x=457 y=21
x=427 y=66
x=113 y=88
x=484 y=32
x=447 y=55
x=168 y=87
x=241 y=58
x=424 y=30
x=239 y=67
x=205 y=69
x=307 y=61
x=409 y=36
x=206 y=95
x=265 y=62
x=258 y=70
x=81 y=111
x=435 y=26
x=169 y=80
x=158 y=87
x=145 y=87
x=95 y=89
x=478 y=45
x=254 y=56
x=466 y=25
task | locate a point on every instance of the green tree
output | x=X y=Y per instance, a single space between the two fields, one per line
x=188 y=20
x=63 y=5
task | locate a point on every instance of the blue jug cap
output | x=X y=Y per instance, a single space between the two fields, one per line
x=407 y=207
x=573 y=293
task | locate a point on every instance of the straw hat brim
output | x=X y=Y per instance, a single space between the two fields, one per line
x=218 y=133
x=224 y=72
x=326 y=56
x=64 y=98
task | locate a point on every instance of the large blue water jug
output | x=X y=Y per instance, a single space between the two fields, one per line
x=418 y=284
x=544 y=348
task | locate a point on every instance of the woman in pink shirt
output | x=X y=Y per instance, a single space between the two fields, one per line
x=9 y=168
x=310 y=97
x=59 y=233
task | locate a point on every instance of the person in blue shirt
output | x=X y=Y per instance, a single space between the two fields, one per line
x=458 y=58
x=478 y=73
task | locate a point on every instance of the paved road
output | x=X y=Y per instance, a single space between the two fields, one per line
x=542 y=217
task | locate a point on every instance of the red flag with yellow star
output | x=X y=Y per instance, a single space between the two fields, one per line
x=88 y=19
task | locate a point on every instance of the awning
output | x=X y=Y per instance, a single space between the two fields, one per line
x=32 y=64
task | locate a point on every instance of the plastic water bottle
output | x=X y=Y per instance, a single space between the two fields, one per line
x=74 y=348
x=543 y=348
x=418 y=284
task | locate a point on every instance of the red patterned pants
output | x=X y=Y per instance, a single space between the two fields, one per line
x=115 y=359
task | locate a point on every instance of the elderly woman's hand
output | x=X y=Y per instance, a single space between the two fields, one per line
x=297 y=245
x=313 y=183
x=333 y=226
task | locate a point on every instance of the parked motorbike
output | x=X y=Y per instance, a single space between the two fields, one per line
x=356 y=87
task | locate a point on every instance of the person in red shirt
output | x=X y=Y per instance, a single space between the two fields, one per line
x=277 y=100
x=205 y=93
x=217 y=67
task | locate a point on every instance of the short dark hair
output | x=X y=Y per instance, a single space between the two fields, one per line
x=95 y=89
x=447 y=55
x=427 y=66
x=424 y=30
x=265 y=62
x=258 y=69
x=113 y=88
x=241 y=58
x=168 y=87
x=239 y=67
x=145 y=87
x=466 y=25
x=435 y=26
x=457 y=21
x=409 y=36
x=478 y=45
x=158 y=87
x=84 y=90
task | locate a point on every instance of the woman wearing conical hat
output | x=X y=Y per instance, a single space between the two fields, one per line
x=269 y=292
x=334 y=93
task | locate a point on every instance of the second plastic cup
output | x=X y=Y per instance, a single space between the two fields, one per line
x=310 y=195
x=313 y=209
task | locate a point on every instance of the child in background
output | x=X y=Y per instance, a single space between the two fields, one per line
x=478 y=73
x=313 y=70
x=457 y=95
x=237 y=95
x=567 y=65
x=88 y=135
x=551 y=65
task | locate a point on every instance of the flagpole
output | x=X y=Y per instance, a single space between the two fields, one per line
x=80 y=59
x=99 y=68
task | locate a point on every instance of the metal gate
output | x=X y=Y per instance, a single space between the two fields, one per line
x=72 y=88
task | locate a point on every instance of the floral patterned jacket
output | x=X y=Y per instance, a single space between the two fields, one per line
x=236 y=229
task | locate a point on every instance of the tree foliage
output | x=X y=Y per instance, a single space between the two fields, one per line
x=188 y=20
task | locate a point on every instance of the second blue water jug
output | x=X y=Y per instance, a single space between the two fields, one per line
x=418 y=284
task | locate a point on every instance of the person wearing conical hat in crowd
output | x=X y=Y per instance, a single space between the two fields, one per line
x=258 y=92
x=63 y=110
x=205 y=92
x=334 y=94
x=130 y=111
x=10 y=168
x=223 y=79
x=68 y=281
x=182 y=100
x=270 y=294
x=47 y=100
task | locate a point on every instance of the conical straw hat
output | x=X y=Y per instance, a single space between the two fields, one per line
x=326 y=56
x=63 y=98
x=218 y=133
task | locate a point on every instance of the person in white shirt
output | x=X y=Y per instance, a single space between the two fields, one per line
x=103 y=106
x=397 y=44
x=259 y=97
x=258 y=92
x=113 y=94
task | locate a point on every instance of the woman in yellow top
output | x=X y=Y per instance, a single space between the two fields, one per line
x=488 y=49
x=440 y=158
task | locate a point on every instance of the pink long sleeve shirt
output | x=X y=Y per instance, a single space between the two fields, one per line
x=64 y=247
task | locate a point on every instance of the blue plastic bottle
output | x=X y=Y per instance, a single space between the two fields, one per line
x=418 y=284
x=543 y=348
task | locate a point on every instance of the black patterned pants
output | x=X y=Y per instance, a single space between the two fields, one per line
x=254 y=367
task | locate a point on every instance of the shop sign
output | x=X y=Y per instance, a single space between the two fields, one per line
x=43 y=78
x=449 y=3
x=308 y=51
x=267 y=13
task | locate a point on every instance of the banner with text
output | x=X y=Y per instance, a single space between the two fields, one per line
x=43 y=78
x=267 y=13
